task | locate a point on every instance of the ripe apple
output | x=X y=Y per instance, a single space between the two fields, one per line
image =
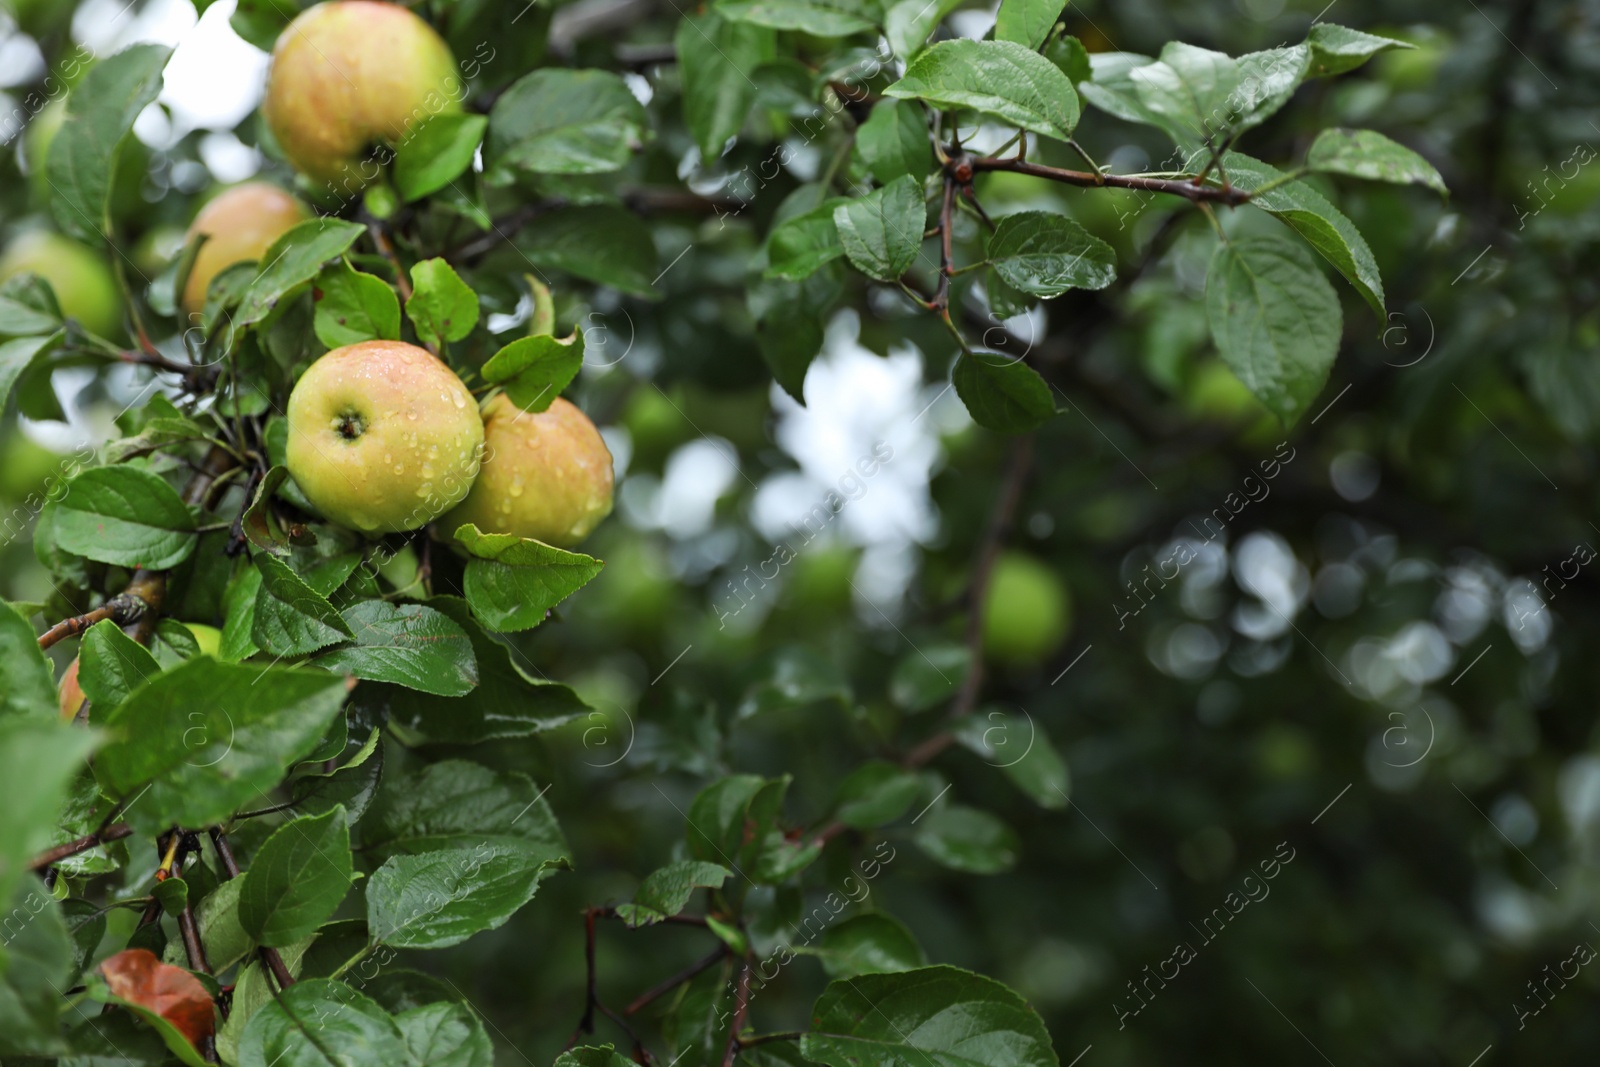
x=240 y=223
x=1026 y=612
x=545 y=475
x=72 y=695
x=83 y=284
x=348 y=74
x=383 y=436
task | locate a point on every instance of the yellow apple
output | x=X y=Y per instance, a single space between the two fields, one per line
x=84 y=286
x=545 y=475
x=382 y=436
x=240 y=223
x=351 y=73
x=209 y=638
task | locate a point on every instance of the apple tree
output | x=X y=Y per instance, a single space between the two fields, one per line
x=334 y=667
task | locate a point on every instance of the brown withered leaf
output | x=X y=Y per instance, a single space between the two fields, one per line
x=137 y=976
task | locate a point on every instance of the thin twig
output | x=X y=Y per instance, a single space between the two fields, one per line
x=741 y=1010
x=124 y=609
x=83 y=844
x=1176 y=186
x=676 y=980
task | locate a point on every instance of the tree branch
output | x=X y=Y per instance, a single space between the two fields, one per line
x=1220 y=194
x=55 y=855
x=676 y=980
x=230 y=867
x=124 y=609
x=741 y=1011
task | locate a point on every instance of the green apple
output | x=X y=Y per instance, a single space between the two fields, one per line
x=84 y=286
x=382 y=436
x=209 y=638
x=1026 y=612
x=157 y=247
x=349 y=74
x=240 y=224
x=546 y=476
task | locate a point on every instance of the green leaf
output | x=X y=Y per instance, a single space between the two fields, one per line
x=820 y=18
x=18 y=318
x=439 y=899
x=406 y=644
x=967 y=839
x=1002 y=393
x=1014 y=84
x=39 y=758
x=882 y=232
x=592 y=1056
x=1111 y=87
x=436 y=153
x=354 y=306
x=111 y=665
x=927 y=677
x=534 y=370
x=208 y=737
x=1020 y=748
x=1336 y=49
x=909 y=23
x=602 y=243
x=512 y=582
x=874 y=794
x=893 y=142
x=457 y=804
x=1046 y=254
x=297 y=879
x=1267 y=80
x=1275 y=320
x=869 y=944
x=442 y=307
x=27 y=683
x=716 y=820
x=1366 y=154
x=239 y=614
x=38 y=956
x=293 y=260
x=224 y=938
x=291 y=618
x=557 y=121
x=100 y=115
x=19 y=355
x=321 y=1023
x=933 y=1015
x=261 y=22
x=1068 y=53
x=666 y=891
x=794 y=676
x=800 y=246
x=507 y=702
x=789 y=323
x=716 y=58
x=125 y=515
x=1189 y=90
x=1027 y=22
x=1323 y=226
x=445 y=1035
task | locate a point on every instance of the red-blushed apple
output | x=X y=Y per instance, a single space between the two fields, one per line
x=72 y=695
x=83 y=283
x=383 y=436
x=240 y=224
x=546 y=476
x=351 y=73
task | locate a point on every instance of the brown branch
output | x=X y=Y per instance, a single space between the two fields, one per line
x=83 y=844
x=741 y=1011
x=676 y=980
x=1219 y=194
x=402 y=280
x=230 y=867
x=124 y=609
